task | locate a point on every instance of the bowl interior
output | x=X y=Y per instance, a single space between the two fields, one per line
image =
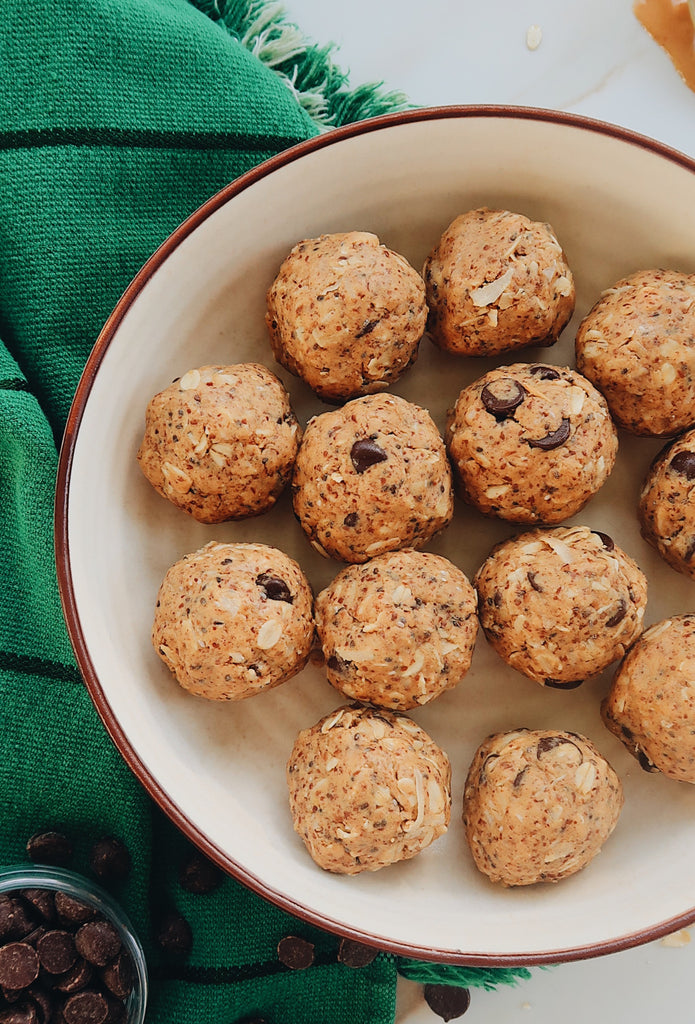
x=617 y=204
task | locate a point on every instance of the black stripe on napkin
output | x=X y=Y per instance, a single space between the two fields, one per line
x=13 y=384
x=32 y=666
x=37 y=138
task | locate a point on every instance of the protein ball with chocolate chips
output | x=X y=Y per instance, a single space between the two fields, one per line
x=636 y=346
x=346 y=314
x=560 y=605
x=398 y=630
x=372 y=477
x=538 y=805
x=220 y=442
x=367 y=788
x=530 y=443
x=666 y=508
x=233 y=619
x=496 y=282
x=651 y=703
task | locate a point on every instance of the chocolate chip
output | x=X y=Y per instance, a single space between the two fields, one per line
x=447 y=1001
x=50 y=848
x=295 y=952
x=44 y=1003
x=554 y=439
x=15 y=920
x=118 y=976
x=98 y=942
x=87 y=1007
x=199 y=875
x=531 y=577
x=684 y=463
x=519 y=777
x=366 y=328
x=608 y=542
x=173 y=933
x=57 y=952
x=70 y=910
x=351 y=519
x=109 y=859
x=356 y=954
x=365 y=453
x=559 y=684
x=547 y=743
x=41 y=902
x=19 y=965
x=23 y=1013
x=544 y=372
x=645 y=763
x=502 y=396
x=274 y=588
x=619 y=614
x=77 y=978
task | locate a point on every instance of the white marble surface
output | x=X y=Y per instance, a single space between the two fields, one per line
x=594 y=58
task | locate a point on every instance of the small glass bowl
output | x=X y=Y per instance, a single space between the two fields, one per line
x=42 y=876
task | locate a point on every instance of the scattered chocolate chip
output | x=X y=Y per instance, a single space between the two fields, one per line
x=684 y=463
x=608 y=542
x=351 y=519
x=23 y=1013
x=87 y=1007
x=70 y=910
x=559 y=684
x=547 y=743
x=274 y=588
x=98 y=942
x=295 y=952
x=77 y=978
x=19 y=965
x=15 y=920
x=619 y=614
x=56 y=951
x=356 y=954
x=447 y=1001
x=544 y=372
x=199 y=875
x=519 y=778
x=554 y=439
x=109 y=859
x=50 y=848
x=502 y=396
x=173 y=933
x=118 y=976
x=365 y=453
x=531 y=577
x=645 y=763
x=41 y=902
x=366 y=328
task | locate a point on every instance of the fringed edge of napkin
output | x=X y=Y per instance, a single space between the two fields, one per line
x=320 y=87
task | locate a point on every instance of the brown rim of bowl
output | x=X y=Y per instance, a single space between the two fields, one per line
x=62 y=552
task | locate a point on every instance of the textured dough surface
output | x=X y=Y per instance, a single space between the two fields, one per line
x=233 y=619
x=497 y=281
x=372 y=477
x=530 y=443
x=559 y=605
x=367 y=788
x=398 y=630
x=346 y=314
x=636 y=345
x=651 y=703
x=220 y=442
x=666 y=507
x=538 y=805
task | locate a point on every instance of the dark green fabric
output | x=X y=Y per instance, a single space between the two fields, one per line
x=117 y=119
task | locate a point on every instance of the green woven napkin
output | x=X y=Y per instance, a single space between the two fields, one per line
x=117 y=119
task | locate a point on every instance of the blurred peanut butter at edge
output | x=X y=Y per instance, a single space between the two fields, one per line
x=671 y=23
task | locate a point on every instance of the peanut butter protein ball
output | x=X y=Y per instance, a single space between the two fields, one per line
x=538 y=805
x=497 y=281
x=562 y=604
x=530 y=443
x=346 y=314
x=398 y=630
x=666 y=507
x=370 y=477
x=367 y=788
x=233 y=619
x=220 y=442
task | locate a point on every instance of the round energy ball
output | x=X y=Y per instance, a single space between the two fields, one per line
x=220 y=442
x=651 y=703
x=530 y=443
x=233 y=619
x=367 y=788
x=560 y=605
x=370 y=477
x=398 y=630
x=666 y=508
x=538 y=805
x=497 y=281
x=636 y=346
x=346 y=314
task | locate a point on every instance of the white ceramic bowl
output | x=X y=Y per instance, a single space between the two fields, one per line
x=618 y=203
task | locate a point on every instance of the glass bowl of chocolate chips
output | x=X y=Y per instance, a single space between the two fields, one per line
x=68 y=953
